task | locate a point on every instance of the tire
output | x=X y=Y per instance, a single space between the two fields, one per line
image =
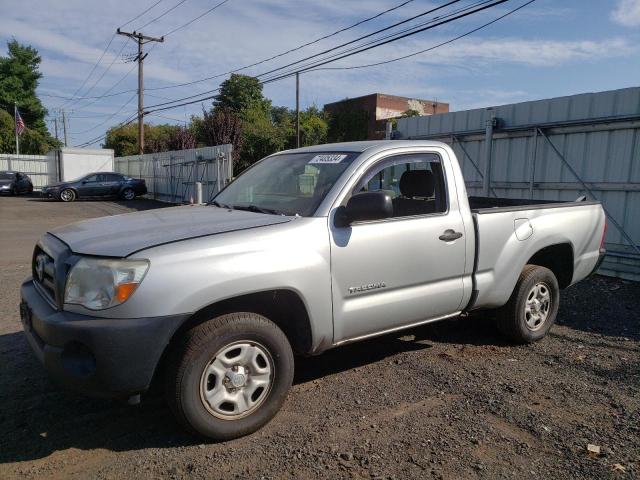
x=527 y=316
x=128 y=194
x=67 y=195
x=208 y=403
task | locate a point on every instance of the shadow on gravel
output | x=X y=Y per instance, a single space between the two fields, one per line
x=39 y=418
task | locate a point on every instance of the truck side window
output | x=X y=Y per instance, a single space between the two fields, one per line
x=414 y=183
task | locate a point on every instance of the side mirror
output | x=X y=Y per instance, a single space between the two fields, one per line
x=85 y=181
x=364 y=206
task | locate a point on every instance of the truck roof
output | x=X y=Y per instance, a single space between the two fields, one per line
x=362 y=146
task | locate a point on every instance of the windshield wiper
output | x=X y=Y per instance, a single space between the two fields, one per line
x=255 y=208
x=220 y=205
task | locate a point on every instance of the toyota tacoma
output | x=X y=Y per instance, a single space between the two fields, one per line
x=305 y=251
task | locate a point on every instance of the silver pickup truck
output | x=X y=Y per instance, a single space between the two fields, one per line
x=305 y=251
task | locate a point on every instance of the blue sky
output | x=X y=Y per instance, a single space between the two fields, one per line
x=549 y=48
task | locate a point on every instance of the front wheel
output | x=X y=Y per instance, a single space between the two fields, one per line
x=128 y=194
x=532 y=307
x=67 y=195
x=229 y=376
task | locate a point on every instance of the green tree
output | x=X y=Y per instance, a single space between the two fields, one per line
x=158 y=138
x=348 y=124
x=19 y=76
x=240 y=93
x=123 y=140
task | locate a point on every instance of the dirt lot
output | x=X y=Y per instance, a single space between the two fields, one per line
x=450 y=400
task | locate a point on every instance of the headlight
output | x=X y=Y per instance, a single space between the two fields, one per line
x=102 y=283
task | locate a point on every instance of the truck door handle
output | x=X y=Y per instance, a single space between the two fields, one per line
x=450 y=235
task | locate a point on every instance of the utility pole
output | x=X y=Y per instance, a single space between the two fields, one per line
x=298 y=109
x=141 y=39
x=55 y=125
x=64 y=126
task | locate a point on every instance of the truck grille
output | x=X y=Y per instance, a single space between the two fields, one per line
x=43 y=270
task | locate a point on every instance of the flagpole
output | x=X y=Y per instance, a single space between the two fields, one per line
x=15 y=120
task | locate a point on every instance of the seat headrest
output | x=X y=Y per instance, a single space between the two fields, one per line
x=417 y=183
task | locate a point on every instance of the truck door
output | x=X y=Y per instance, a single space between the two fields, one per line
x=406 y=269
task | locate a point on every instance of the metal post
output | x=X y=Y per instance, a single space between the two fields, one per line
x=199 y=193
x=64 y=127
x=298 y=109
x=466 y=154
x=533 y=162
x=488 y=143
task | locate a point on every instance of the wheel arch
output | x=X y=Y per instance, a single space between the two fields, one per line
x=559 y=259
x=73 y=189
x=282 y=306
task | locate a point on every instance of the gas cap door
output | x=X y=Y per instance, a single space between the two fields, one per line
x=523 y=228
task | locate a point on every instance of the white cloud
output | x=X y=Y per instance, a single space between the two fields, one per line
x=627 y=13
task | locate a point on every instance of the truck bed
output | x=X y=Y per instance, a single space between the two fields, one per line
x=510 y=231
x=489 y=204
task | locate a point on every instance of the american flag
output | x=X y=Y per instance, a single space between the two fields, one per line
x=19 y=123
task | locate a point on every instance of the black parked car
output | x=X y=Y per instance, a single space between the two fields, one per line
x=101 y=184
x=14 y=183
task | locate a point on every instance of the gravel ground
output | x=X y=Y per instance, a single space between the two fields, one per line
x=450 y=400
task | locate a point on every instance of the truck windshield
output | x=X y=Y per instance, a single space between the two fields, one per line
x=288 y=184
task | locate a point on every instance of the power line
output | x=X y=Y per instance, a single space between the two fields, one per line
x=309 y=67
x=101 y=137
x=162 y=14
x=104 y=72
x=443 y=21
x=141 y=14
x=353 y=67
x=429 y=25
x=299 y=47
x=196 y=18
x=92 y=69
x=315 y=55
x=108 y=118
x=113 y=36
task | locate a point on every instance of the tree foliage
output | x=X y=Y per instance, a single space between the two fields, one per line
x=241 y=116
x=348 y=124
x=241 y=93
x=19 y=76
x=158 y=138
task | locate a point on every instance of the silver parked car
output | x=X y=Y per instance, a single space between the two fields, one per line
x=307 y=250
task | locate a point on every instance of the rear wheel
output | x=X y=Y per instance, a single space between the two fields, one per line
x=532 y=307
x=128 y=194
x=229 y=376
x=67 y=195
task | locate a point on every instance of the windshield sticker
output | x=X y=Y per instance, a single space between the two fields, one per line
x=328 y=158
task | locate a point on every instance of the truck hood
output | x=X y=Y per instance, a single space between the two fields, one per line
x=122 y=235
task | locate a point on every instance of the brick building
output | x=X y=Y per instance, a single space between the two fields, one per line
x=380 y=107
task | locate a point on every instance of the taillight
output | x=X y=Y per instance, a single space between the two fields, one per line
x=604 y=233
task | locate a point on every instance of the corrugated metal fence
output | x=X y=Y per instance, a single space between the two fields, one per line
x=33 y=165
x=555 y=149
x=171 y=176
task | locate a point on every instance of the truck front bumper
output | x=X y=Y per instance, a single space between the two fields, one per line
x=95 y=356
